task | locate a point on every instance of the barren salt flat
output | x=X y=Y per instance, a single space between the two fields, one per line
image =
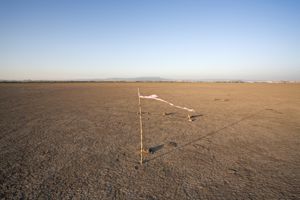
x=81 y=141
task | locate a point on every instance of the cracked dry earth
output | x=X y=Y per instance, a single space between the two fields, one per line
x=81 y=141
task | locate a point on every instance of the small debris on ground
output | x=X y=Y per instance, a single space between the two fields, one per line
x=172 y=144
x=216 y=99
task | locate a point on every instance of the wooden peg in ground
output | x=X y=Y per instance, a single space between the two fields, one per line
x=145 y=151
x=190 y=118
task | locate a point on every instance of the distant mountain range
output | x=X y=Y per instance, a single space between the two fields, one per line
x=154 y=79
x=151 y=79
x=142 y=79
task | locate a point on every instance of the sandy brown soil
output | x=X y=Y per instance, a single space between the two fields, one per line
x=81 y=141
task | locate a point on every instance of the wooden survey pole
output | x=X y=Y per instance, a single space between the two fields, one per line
x=141 y=127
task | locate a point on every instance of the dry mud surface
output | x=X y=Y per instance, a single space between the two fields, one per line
x=81 y=141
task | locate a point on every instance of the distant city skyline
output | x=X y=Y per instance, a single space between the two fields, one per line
x=69 y=40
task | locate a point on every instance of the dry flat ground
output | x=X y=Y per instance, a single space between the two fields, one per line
x=81 y=141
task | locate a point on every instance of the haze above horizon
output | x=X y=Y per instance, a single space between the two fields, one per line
x=65 y=40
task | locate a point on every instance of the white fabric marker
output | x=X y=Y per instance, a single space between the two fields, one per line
x=155 y=97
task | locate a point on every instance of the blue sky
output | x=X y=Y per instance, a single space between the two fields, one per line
x=236 y=39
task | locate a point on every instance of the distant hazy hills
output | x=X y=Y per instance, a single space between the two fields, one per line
x=145 y=79
x=152 y=79
x=137 y=79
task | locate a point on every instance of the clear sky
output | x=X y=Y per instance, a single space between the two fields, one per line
x=235 y=39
